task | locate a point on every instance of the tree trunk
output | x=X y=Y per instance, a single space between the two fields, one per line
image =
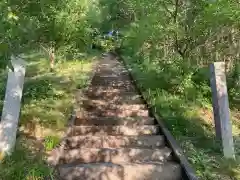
x=52 y=59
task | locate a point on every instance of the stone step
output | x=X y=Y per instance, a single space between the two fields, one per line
x=104 y=104
x=114 y=142
x=119 y=155
x=112 y=80
x=115 y=95
x=127 y=85
x=114 y=130
x=110 y=112
x=103 y=108
x=131 y=171
x=114 y=121
x=96 y=91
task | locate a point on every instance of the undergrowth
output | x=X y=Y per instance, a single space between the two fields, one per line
x=47 y=104
x=185 y=105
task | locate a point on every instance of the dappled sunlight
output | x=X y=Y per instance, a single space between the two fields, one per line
x=114 y=141
x=111 y=95
x=27 y=154
x=70 y=69
x=115 y=87
x=130 y=130
x=168 y=45
x=190 y=120
x=46 y=91
x=7 y=138
x=46 y=106
x=118 y=155
x=96 y=147
x=122 y=172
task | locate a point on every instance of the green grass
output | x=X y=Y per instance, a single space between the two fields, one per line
x=51 y=142
x=187 y=112
x=25 y=163
x=47 y=103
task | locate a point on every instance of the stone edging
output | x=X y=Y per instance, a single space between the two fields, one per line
x=188 y=171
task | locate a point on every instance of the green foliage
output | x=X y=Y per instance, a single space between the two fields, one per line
x=169 y=46
x=183 y=38
x=27 y=24
x=41 y=90
x=107 y=44
x=21 y=165
x=181 y=103
x=46 y=106
x=51 y=142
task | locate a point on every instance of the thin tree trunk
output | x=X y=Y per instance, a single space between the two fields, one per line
x=52 y=59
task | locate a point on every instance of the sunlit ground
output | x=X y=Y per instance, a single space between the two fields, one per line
x=190 y=121
x=46 y=107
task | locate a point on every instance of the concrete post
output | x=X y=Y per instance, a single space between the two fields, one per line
x=222 y=120
x=11 y=107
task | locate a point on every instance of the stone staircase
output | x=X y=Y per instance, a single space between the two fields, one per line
x=113 y=137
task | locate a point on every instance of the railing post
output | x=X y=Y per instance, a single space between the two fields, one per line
x=11 y=107
x=223 y=126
